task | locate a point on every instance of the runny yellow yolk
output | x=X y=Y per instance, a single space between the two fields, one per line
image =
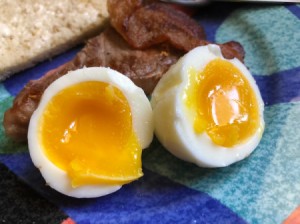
x=223 y=103
x=86 y=130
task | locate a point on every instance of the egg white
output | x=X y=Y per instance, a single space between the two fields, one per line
x=142 y=119
x=175 y=130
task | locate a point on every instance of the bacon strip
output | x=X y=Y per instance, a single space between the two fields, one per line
x=143 y=26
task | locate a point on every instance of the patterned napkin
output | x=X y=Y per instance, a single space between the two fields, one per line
x=264 y=188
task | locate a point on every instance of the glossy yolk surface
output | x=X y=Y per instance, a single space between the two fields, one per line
x=86 y=130
x=223 y=103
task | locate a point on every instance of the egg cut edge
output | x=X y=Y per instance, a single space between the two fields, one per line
x=180 y=134
x=57 y=178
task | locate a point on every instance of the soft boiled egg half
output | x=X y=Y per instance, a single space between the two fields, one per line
x=88 y=132
x=208 y=110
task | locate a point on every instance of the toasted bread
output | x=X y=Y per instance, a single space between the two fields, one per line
x=35 y=30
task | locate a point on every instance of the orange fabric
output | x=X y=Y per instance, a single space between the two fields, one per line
x=294 y=217
x=68 y=221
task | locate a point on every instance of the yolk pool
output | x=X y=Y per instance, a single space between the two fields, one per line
x=223 y=103
x=86 y=130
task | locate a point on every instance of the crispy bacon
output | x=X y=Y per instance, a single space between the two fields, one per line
x=143 y=25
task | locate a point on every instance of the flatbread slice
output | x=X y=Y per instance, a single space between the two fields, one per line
x=35 y=30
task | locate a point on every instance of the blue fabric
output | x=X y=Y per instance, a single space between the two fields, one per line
x=263 y=188
x=152 y=199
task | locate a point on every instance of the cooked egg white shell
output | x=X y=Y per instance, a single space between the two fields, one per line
x=142 y=119
x=172 y=126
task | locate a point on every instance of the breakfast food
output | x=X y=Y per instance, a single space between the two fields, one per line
x=109 y=50
x=143 y=25
x=207 y=109
x=34 y=30
x=88 y=132
x=143 y=66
